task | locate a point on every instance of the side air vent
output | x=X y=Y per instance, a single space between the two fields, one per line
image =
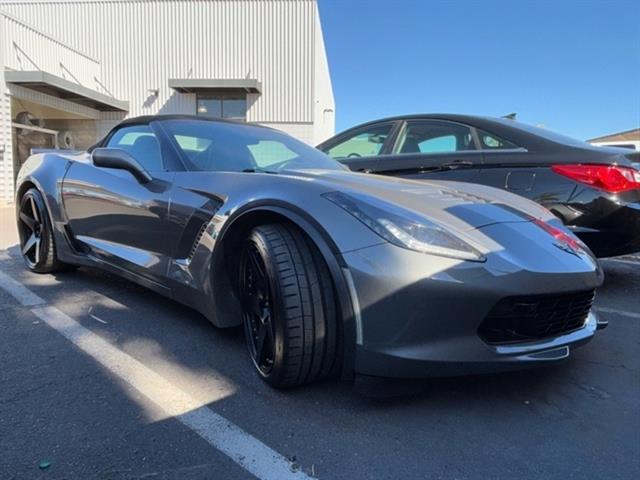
x=196 y=242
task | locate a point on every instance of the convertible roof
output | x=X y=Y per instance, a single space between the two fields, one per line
x=144 y=119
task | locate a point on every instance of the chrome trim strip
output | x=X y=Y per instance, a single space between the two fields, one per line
x=528 y=348
x=355 y=304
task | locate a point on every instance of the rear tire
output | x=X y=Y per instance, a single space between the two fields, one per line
x=37 y=244
x=289 y=307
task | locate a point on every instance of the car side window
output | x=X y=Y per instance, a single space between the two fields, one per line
x=433 y=136
x=489 y=141
x=141 y=143
x=366 y=142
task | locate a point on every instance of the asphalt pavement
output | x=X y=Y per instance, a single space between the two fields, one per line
x=100 y=378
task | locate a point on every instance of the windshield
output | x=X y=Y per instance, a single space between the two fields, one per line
x=208 y=146
x=542 y=132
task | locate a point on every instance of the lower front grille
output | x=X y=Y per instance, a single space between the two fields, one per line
x=535 y=317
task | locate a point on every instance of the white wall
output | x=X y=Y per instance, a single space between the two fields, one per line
x=143 y=43
x=6 y=151
x=134 y=46
x=324 y=108
x=23 y=47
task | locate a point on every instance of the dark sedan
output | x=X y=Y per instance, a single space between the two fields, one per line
x=595 y=191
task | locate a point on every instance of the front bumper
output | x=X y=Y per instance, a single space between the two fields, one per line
x=418 y=315
x=403 y=362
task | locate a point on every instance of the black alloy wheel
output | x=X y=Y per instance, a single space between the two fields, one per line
x=288 y=306
x=257 y=310
x=36 y=236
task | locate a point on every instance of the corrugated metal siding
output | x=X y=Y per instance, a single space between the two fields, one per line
x=6 y=150
x=144 y=43
x=26 y=48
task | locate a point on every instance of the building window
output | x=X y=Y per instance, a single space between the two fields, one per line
x=231 y=106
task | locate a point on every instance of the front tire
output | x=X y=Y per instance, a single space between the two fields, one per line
x=37 y=244
x=289 y=308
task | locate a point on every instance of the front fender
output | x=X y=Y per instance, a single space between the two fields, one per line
x=46 y=172
x=327 y=247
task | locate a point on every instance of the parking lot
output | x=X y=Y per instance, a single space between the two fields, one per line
x=104 y=379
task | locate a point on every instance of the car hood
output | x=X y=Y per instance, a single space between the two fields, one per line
x=462 y=206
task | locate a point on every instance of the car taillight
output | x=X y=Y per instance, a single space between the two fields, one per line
x=560 y=235
x=611 y=178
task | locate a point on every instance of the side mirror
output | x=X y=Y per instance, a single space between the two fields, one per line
x=117 y=158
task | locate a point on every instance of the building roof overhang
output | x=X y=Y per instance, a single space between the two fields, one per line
x=53 y=85
x=193 y=85
x=627 y=135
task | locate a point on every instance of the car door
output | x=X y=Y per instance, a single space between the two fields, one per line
x=433 y=149
x=360 y=148
x=117 y=218
x=508 y=166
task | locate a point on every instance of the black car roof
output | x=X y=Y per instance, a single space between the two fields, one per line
x=454 y=117
x=146 y=119
x=505 y=128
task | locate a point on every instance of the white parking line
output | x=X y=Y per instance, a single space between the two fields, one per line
x=624 y=313
x=21 y=293
x=247 y=451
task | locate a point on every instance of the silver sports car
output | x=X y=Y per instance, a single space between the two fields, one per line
x=331 y=272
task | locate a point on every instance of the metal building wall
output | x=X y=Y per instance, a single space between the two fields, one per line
x=29 y=48
x=143 y=43
x=130 y=48
x=6 y=151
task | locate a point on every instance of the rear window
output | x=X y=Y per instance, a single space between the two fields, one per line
x=542 y=132
x=489 y=141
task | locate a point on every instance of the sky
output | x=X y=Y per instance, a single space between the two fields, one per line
x=570 y=66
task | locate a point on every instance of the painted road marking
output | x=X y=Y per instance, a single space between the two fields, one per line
x=21 y=293
x=618 y=312
x=244 y=449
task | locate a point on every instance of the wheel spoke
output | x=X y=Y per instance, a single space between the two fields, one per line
x=270 y=340
x=37 y=249
x=28 y=221
x=258 y=269
x=260 y=342
x=256 y=308
x=34 y=210
x=29 y=244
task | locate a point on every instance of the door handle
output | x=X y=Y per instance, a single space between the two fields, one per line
x=458 y=164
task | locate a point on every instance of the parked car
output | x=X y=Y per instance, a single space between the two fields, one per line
x=328 y=270
x=595 y=191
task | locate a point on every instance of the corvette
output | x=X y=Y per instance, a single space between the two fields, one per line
x=330 y=272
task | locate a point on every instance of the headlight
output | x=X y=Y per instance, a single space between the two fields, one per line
x=405 y=228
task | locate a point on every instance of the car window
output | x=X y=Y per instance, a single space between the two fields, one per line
x=488 y=141
x=141 y=143
x=220 y=146
x=269 y=152
x=432 y=136
x=366 y=142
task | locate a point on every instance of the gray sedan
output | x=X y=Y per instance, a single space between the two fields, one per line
x=330 y=272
